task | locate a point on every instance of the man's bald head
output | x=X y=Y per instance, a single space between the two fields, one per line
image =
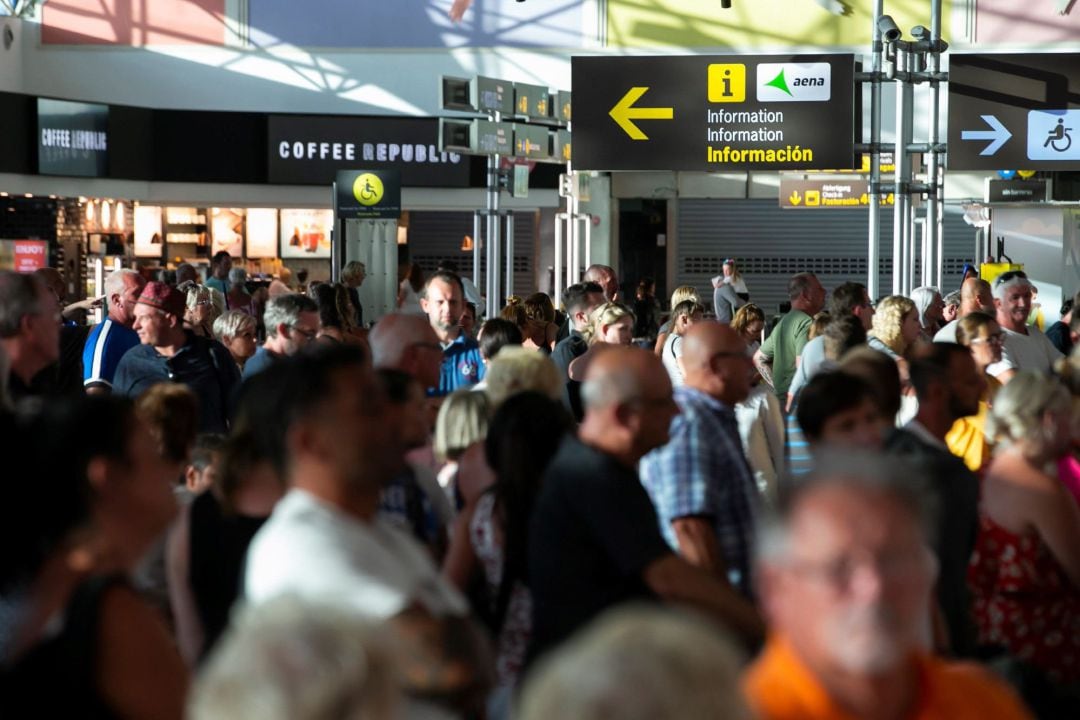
x=406 y=342
x=616 y=375
x=605 y=276
x=628 y=403
x=715 y=362
x=975 y=296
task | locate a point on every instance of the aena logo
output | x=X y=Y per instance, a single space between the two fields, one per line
x=794 y=82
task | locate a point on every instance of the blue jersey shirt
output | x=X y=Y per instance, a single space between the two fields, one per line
x=105 y=345
x=462 y=366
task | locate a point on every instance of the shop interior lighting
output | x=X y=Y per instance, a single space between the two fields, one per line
x=28 y=195
x=106 y=214
x=90 y=211
x=3 y=194
x=402 y=236
x=466 y=243
x=120 y=216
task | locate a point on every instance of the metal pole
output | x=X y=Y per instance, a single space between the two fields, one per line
x=476 y=252
x=898 y=178
x=935 y=208
x=509 y=253
x=494 y=294
x=874 y=235
x=337 y=240
x=558 y=289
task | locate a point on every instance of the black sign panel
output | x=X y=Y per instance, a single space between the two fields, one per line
x=368 y=194
x=713 y=113
x=1004 y=191
x=310 y=150
x=72 y=138
x=1014 y=112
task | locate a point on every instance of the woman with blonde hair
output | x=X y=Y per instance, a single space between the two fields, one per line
x=463 y=420
x=517 y=369
x=200 y=312
x=611 y=323
x=1025 y=571
x=236 y=330
x=895 y=326
x=749 y=321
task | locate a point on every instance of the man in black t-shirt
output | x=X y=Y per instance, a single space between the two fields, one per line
x=595 y=541
x=579 y=300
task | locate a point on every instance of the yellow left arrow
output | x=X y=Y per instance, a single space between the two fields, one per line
x=624 y=113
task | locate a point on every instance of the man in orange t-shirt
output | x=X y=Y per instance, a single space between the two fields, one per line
x=845 y=578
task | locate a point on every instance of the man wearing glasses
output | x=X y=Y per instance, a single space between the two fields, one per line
x=292 y=321
x=169 y=353
x=845 y=576
x=1026 y=348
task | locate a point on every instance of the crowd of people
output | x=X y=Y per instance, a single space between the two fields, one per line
x=253 y=507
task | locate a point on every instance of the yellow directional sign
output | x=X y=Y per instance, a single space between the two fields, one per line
x=624 y=113
x=826 y=192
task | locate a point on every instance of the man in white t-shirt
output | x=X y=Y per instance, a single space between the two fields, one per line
x=1026 y=348
x=325 y=540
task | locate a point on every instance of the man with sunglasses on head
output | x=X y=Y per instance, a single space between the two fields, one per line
x=292 y=322
x=1026 y=348
x=169 y=353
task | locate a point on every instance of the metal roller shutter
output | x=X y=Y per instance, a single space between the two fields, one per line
x=435 y=237
x=771 y=245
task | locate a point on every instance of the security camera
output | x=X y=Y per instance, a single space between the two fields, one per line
x=890 y=33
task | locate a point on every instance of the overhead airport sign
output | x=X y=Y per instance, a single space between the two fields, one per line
x=713 y=113
x=827 y=193
x=1009 y=111
x=1007 y=191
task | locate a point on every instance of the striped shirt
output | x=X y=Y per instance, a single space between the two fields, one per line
x=105 y=345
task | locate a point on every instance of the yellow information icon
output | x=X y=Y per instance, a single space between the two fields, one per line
x=727 y=83
x=368 y=189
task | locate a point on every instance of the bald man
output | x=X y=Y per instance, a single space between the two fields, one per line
x=605 y=276
x=975 y=296
x=406 y=342
x=595 y=541
x=700 y=482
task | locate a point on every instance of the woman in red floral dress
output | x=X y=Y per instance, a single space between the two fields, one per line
x=1025 y=572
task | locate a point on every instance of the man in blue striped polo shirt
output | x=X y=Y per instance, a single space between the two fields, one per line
x=110 y=339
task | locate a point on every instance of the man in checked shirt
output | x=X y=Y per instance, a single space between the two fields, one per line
x=700 y=482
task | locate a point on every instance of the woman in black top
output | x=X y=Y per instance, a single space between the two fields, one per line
x=79 y=641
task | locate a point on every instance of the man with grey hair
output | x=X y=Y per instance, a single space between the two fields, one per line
x=1026 y=348
x=114 y=336
x=975 y=296
x=595 y=539
x=29 y=331
x=845 y=577
x=778 y=358
x=292 y=322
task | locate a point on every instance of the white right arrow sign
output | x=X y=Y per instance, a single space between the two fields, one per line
x=999 y=135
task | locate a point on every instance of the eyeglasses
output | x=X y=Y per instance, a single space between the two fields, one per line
x=837 y=574
x=996 y=338
x=308 y=334
x=1008 y=276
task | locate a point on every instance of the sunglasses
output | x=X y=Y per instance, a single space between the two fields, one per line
x=1009 y=276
